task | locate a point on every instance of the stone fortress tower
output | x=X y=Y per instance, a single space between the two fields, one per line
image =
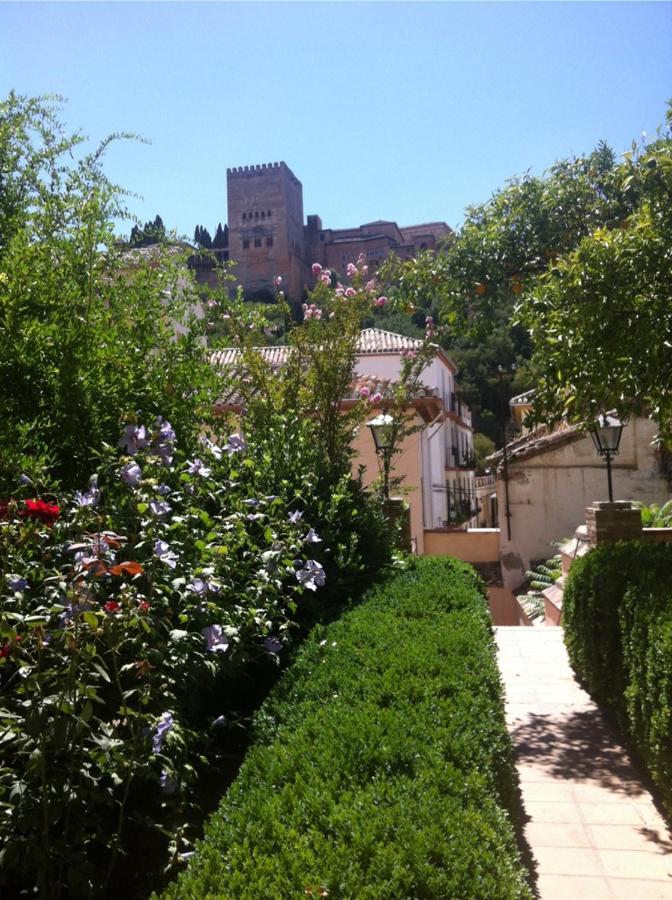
x=265 y=218
x=267 y=235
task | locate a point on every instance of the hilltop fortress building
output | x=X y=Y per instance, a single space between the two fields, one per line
x=268 y=237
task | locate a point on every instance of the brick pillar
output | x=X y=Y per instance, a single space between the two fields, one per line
x=398 y=514
x=608 y=522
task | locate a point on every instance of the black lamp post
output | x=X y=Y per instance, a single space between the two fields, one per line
x=606 y=434
x=382 y=429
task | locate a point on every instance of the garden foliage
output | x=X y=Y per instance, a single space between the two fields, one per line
x=383 y=766
x=618 y=631
x=88 y=333
x=126 y=610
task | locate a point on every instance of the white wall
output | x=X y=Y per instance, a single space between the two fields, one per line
x=549 y=492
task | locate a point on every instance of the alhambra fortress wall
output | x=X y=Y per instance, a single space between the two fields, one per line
x=268 y=236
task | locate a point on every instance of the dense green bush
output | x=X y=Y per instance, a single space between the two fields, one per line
x=383 y=767
x=618 y=631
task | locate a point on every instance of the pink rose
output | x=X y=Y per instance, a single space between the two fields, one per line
x=364 y=392
x=317 y=268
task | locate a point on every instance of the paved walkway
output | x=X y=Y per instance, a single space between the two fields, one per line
x=592 y=826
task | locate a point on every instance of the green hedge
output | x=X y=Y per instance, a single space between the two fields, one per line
x=618 y=631
x=383 y=768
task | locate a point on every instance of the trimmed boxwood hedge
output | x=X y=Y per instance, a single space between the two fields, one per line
x=382 y=768
x=618 y=631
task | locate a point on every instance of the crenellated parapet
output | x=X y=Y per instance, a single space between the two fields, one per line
x=271 y=168
x=243 y=171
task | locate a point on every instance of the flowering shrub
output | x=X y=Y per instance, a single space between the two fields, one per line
x=122 y=607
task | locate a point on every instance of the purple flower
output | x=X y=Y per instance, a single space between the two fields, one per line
x=273 y=644
x=251 y=502
x=72 y=610
x=219 y=722
x=163 y=489
x=131 y=474
x=215 y=641
x=16 y=583
x=294 y=517
x=160 y=508
x=168 y=784
x=92 y=496
x=165 y=453
x=197 y=467
x=312 y=538
x=235 y=444
x=311 y=575
x=163 y=726
x=163 y=552
x=24 y=479
x=166 y=433
x=133 y=439
x=198 y=586
x=252 y=517
x=213 y=448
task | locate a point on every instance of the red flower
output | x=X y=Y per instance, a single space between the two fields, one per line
x=5 y=650
x=38 y=509
x=143 y=606
x=112 y=606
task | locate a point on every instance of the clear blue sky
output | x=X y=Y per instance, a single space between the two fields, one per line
x=404 y=111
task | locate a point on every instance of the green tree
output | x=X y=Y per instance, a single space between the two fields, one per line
x=202 y=237
x=221 y=238
x=472 y=287
x=87 y=332
x=601 y=317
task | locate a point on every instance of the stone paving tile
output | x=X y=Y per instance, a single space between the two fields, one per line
x=592 y=826
x=572 y=887
x=638 y=889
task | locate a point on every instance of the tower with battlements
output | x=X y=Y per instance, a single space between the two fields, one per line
x=266 y=234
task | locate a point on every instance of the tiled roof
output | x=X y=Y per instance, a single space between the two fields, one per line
x=375 y=340
x=274 y=356
x=371 y=341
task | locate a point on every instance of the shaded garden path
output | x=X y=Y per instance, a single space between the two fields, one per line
x=591 y=823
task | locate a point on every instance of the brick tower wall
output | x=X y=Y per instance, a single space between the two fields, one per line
x=266 y=236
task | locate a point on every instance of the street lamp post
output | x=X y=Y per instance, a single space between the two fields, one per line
x=382 y=429
x=606 y=434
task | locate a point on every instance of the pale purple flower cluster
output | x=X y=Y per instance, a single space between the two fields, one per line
x=133 y=439
x=16 y=583
x=198 y=467
x=163 y=726
x=215 y=640
x=235 y=444
x=164 y=554
x=200 y=587
x=215 y=449
x=273 y=644
x=91 y=497
x=294 y=517
x=164 y=437
x=131 y=474
x=312 y=537
x=160 y=508
x=311 y=575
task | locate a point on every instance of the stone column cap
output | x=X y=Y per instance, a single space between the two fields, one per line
x=616 y=504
